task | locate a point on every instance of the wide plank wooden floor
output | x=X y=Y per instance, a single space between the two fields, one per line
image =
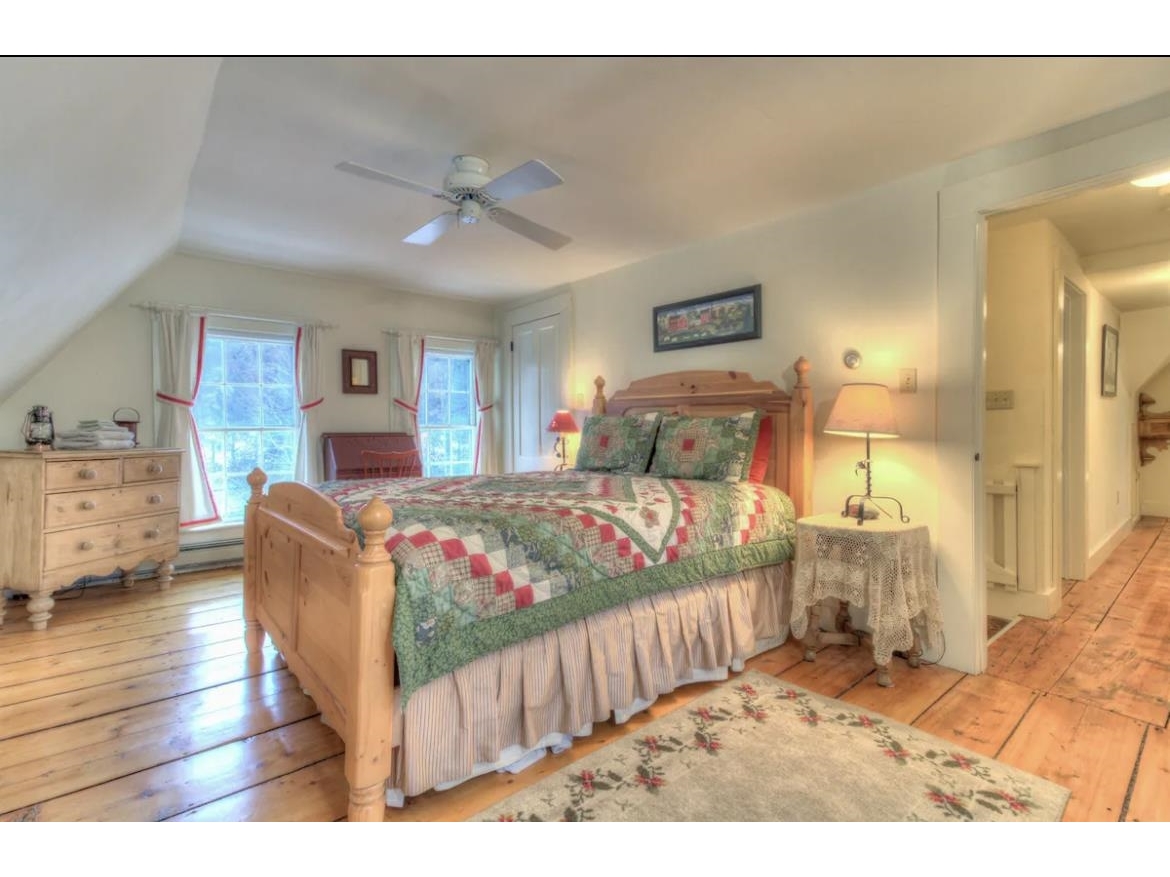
x=142 y=705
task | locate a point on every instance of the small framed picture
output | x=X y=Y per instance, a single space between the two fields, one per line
x=1109 y=338
x=359 y=371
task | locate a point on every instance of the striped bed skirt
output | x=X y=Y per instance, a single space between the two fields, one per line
x=504 y=710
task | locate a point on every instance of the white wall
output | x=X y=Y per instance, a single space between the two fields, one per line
x=858 y=275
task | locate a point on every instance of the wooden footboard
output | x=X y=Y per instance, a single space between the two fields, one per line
x=328 y=606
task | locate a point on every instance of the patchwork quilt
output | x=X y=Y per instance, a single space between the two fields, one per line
x=486 y=561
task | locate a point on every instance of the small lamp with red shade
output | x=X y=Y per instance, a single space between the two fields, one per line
x=562 y=424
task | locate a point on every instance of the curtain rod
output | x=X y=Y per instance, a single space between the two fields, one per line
x=439 y=335
x=241 y=315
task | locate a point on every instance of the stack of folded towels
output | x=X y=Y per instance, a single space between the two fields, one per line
x=94 y=434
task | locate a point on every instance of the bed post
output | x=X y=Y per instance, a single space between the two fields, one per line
x=599 y=397
x=800 y=425
x=369 y=724
x=253 y=632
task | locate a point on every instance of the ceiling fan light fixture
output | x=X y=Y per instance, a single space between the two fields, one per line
x=470 y=212
x=1153 y=181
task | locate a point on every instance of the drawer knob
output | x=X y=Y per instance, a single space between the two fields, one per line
x=154 y=498
x=86 y=545
x=152 y=533
x=154 y=468
x=87 y=474
x=89 y=505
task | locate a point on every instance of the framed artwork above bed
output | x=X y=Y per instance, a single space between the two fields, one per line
x=712 y=319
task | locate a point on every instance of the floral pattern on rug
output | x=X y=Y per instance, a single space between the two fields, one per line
x=946 y=782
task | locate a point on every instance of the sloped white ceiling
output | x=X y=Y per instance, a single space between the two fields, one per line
x=95 y=160
x=656 y=153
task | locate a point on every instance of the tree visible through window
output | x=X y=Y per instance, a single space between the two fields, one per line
x=246 y=412
x=447 y=416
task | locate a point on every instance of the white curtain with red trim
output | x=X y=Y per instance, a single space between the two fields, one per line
x=309 y=397
x=486 y=462
x=178 y=344
x=410 y=353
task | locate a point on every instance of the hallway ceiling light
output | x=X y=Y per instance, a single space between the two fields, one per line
x=1152 y=181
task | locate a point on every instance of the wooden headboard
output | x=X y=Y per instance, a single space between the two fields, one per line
x=715 y=393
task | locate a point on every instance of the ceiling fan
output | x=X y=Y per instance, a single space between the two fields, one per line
x=474 y=195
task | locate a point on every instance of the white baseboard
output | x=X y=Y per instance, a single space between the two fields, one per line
x=1101 y=554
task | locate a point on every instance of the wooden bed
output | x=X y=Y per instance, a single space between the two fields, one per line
x=327 y=604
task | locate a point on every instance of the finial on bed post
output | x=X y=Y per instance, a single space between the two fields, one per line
x=253 y=632
x=375 y=519
x=801 y=367
x=599 y=399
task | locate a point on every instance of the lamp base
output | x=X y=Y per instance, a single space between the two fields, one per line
x=861 y=508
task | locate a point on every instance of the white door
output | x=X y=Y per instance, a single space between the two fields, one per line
x=538 y=358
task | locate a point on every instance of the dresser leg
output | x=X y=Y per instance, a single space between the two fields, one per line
x=166 y=572
x=40 y=610
x=3 y=607
x=127 y=578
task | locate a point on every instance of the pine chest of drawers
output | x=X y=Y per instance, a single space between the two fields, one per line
x=69 y=514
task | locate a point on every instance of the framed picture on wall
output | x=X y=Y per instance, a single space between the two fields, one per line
x=1109 y=339
x=359 y=371
x=713 y=319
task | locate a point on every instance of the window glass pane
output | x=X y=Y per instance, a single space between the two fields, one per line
x=211 y=441
x=242 y=361
x=437 y=370
x=461 y=375
x=436 y=413
x=243 y=405
x=279 y=406
x=209 y=412
x=462 y=444
x=212 y=360
x=238 y=493
x=279 y=451
x=277 y=364
x=461 y=408
x=242 y=451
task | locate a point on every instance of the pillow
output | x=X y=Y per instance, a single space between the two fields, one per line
x=759 y=467
x=705 y=448
x=617 y=443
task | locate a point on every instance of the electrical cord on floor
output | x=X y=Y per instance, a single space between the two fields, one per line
x=923 y=663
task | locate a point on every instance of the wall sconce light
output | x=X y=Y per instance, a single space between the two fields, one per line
x=864 y=410
x=562 y=424
x=851 y=358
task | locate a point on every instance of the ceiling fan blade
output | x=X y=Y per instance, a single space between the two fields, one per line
x=369 y=173
x=532 y=176
x=554 y=240
x=434 y=229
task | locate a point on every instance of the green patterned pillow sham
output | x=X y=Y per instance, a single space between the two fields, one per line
x=614 y=443
x=706 y=448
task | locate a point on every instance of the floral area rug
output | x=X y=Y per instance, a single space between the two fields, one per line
x=759 y=749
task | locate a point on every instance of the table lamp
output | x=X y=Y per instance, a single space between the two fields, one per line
x=864 y=410
x=562 y=424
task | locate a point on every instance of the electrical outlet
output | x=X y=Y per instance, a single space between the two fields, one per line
x=908 y=380
x=1000 y=400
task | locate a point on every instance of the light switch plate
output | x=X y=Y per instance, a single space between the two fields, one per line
x=1000 y=400
x=908 y=380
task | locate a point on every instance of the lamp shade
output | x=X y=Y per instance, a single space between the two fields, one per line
x=563 y=422
x=863 y=409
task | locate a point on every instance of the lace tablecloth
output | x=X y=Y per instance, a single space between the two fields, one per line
x=882 y=565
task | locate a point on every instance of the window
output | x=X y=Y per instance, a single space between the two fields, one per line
x=246 y=412
x=446 y=415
